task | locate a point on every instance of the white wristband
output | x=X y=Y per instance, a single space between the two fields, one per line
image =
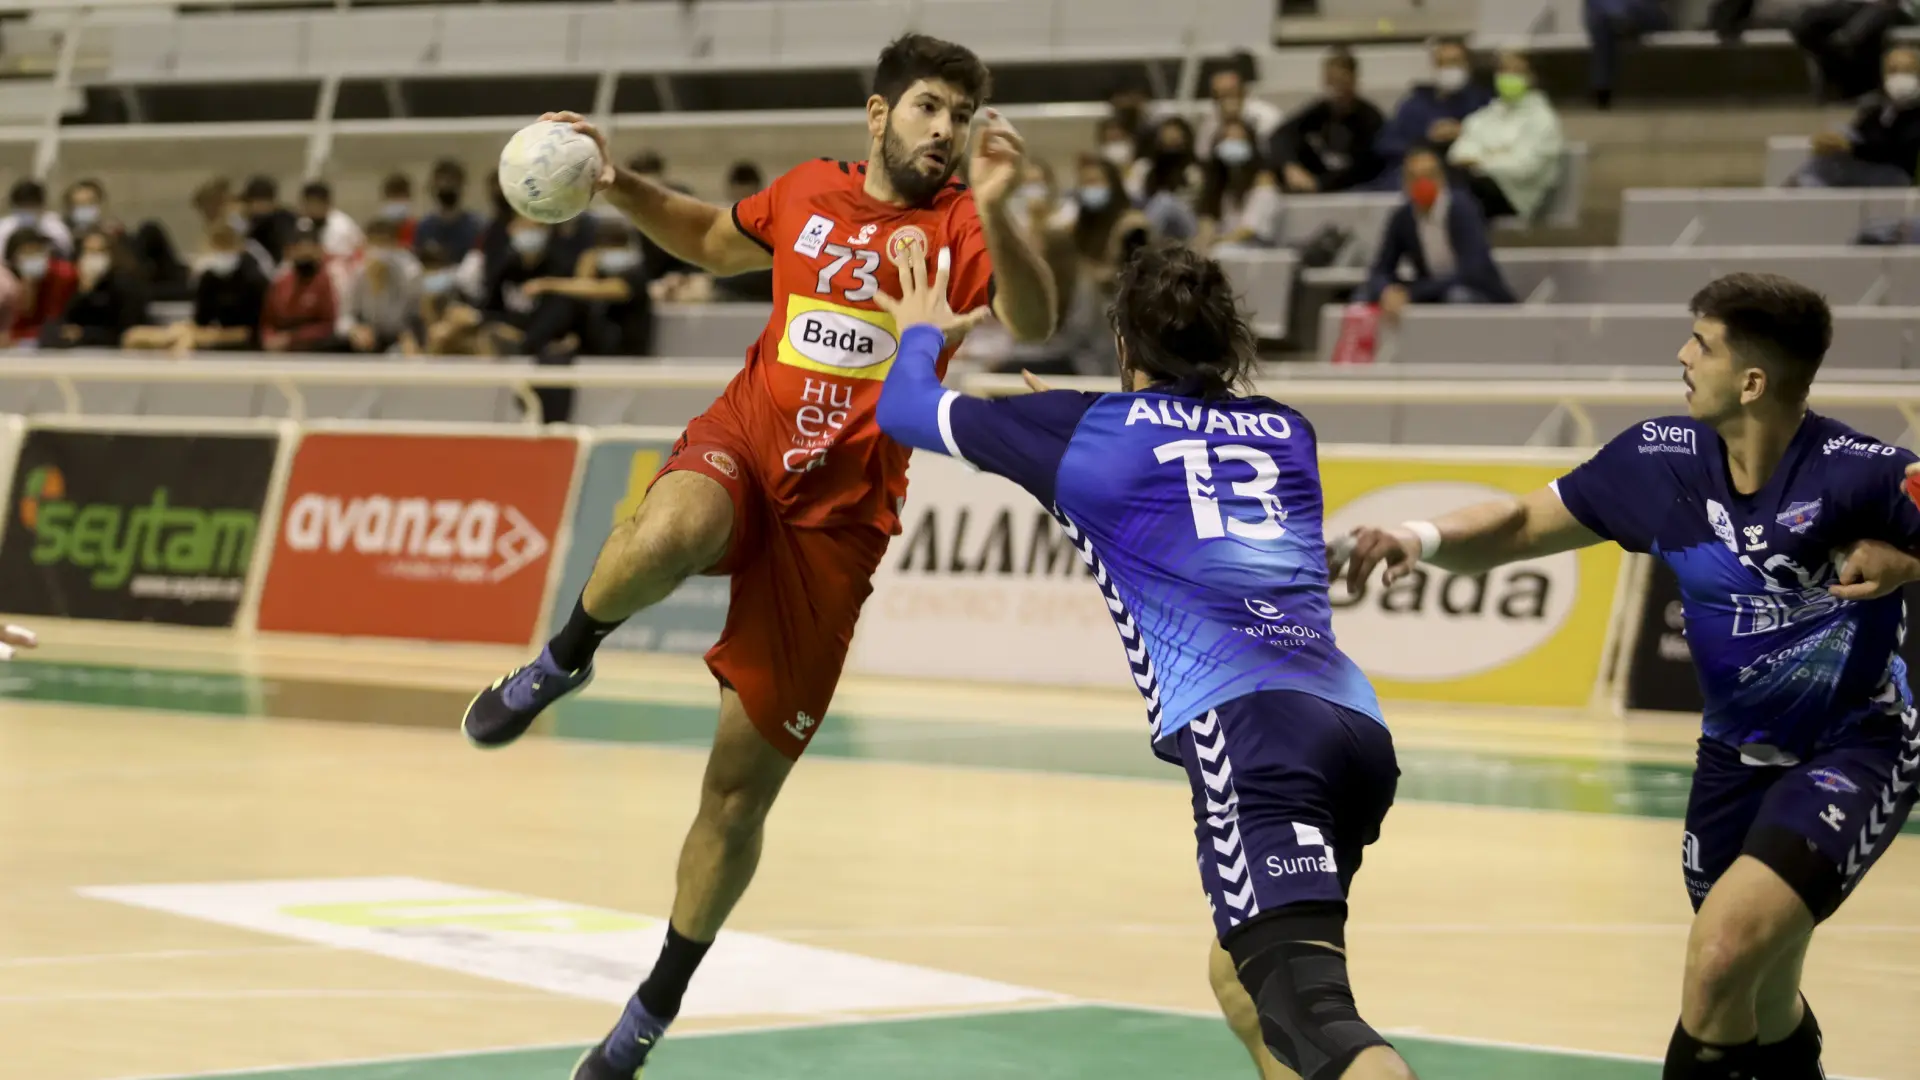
x=1429 y=535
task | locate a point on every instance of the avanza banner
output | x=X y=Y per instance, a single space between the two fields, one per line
x=134 y=527
x=441 y=538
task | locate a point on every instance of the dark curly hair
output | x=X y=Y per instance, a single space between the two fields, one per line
x=912 y=57
x=1179 y=323
x=1773 y=322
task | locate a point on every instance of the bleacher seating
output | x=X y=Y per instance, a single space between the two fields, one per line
x=1656 y=217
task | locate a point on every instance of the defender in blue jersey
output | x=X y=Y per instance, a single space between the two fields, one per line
x=1789 y=533
x=1199 y=513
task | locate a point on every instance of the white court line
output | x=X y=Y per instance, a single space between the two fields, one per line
x=826 y=1021
x=270 y=995
x=959 y=930
x=159 y=954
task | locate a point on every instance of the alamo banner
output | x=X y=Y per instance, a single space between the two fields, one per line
x=134 y=527
x=1532 y=633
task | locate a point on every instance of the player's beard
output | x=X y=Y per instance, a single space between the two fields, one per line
x=903 y=172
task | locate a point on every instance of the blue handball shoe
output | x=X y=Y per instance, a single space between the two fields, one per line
x=622 y=1055
x=504 y=711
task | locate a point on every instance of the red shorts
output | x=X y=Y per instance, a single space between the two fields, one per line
x=796 y=592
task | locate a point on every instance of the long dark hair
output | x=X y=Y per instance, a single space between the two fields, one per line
x=1224 y=181
x=1175 y=314
x=1168 y=169
x=1092 y=230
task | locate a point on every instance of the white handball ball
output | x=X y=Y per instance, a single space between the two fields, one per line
x=547 y=171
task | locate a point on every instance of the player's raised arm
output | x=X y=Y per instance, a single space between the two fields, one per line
x=1472 y=539
x=691 y=229
x=1025 y=296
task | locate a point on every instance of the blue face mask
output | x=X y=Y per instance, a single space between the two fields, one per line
x=26 y=217
x=437 y=283
x=396 y=211
x=529 y=241
x=86 y=215
x=1095 y=198
x=618 y=260
x=33 y=267
x=1234 y=151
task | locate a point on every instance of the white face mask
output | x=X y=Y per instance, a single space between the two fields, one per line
x=219 y=263
x=1902 y=86
x=1119 y=151
x=95 y=263
x=1450 y=80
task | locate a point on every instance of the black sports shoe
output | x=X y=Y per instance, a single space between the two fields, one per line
x=504 y=711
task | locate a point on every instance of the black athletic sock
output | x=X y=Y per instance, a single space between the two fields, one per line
x=1690 y=1059
x=667 y=983
x=1797 y=1057
x=574 y=645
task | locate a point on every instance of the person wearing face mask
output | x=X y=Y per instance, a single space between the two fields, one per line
x=396 y=206
x=1509 y=152
x=109 y=302
x=1610 y=24
x=1845 y=38
x=1232 y=102
x=340 y=235
x=442 y=323
x=1436 y=249
x=602 y=309
x=47 y=283
x=266 y=222
x=218 y=207
x=27 y=209
x=1329 y=145
x=1240 y=203
x=229 y=291
x=1167 y=181
x=1117 y=144
x=1882 y=146
x=384 y=293
x=533 y=254
x=151 y=255
x=451 y=226
x=302 y=310
x=1431 y=113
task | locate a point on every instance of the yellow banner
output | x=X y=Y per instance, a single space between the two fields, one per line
x=1533 y=633
x=836 y=340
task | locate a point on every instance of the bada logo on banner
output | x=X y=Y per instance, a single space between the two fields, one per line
x=134 y=527
x=417 y=536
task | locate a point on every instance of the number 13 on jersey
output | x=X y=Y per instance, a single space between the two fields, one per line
x=1209 y=520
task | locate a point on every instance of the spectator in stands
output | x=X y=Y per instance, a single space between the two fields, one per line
x=340 y=235
x=229 y=291
x=1439 y=238
x=47 y=283
x=532 y=254
x=110 y=300
x=1330 y=144
x=1231 y=102
x=27 y=209
x=396 y=205
x=1610 y=24
x=302 y=309
x=754 y=286
x=217 y=205
x=1108 y=228
x=1117 y=144
x=1167 y=181
x=1882 y=147
x=152 y=256
x=1130 y=106
x=268 y=223
x=743 y=179
x=1845 y=38
x=444 y=324
x=669 y=276
x=385 y=291
x=602 y=309
x=451 y=227
x=1037 y=201
x=1431 y=113
x=1509 y=153
x=1240 y=200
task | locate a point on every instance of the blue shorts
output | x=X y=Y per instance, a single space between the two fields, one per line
x=1820 y=824
x=1287 y=791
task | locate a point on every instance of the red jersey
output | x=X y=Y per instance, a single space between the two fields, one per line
x=807 y=394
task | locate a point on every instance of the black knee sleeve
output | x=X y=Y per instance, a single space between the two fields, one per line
x=1299 y=985
x=1797 y=1057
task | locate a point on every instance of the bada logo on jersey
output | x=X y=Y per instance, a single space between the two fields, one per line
x=836 y=340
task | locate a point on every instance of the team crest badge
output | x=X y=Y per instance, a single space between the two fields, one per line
x=1832 y=780
x=1722 y=523
x=724 y=462
x=1798 y=518
x=906 y=241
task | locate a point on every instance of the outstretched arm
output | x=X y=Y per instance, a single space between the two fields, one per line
x=1026 y=298
x=690 y=229
x=1470 y=540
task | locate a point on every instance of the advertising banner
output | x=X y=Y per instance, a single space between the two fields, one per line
x=617 y=474
x=983 y=584
x=442 y=538
x=134 y=527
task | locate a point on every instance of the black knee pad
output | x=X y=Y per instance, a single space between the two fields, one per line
x=1299 y=985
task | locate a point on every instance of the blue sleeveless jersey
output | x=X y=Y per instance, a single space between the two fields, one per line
x=1202 y=523
x=1785 y=667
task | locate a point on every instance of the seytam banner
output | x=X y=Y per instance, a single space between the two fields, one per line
x=982 y=584
x=617 y=475
x=442 y=538
x=1532 y=633
x=134 y=527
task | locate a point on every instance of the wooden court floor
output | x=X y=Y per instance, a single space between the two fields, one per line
x=280 y=855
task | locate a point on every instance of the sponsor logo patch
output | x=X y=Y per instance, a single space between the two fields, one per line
x=836 y=340
x=1832 y=780
x=814 y=236
x=905 y=242
x=724 y=462
x=1799 y=517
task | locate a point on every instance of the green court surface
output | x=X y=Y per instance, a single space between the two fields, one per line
x=1535 y=782
x=1074 y=1043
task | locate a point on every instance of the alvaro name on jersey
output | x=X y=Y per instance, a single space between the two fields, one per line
x=1785 y=667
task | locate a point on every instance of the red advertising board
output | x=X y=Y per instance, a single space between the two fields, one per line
x=417 y=536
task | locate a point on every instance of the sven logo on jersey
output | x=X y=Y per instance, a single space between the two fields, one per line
x=835 y=340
